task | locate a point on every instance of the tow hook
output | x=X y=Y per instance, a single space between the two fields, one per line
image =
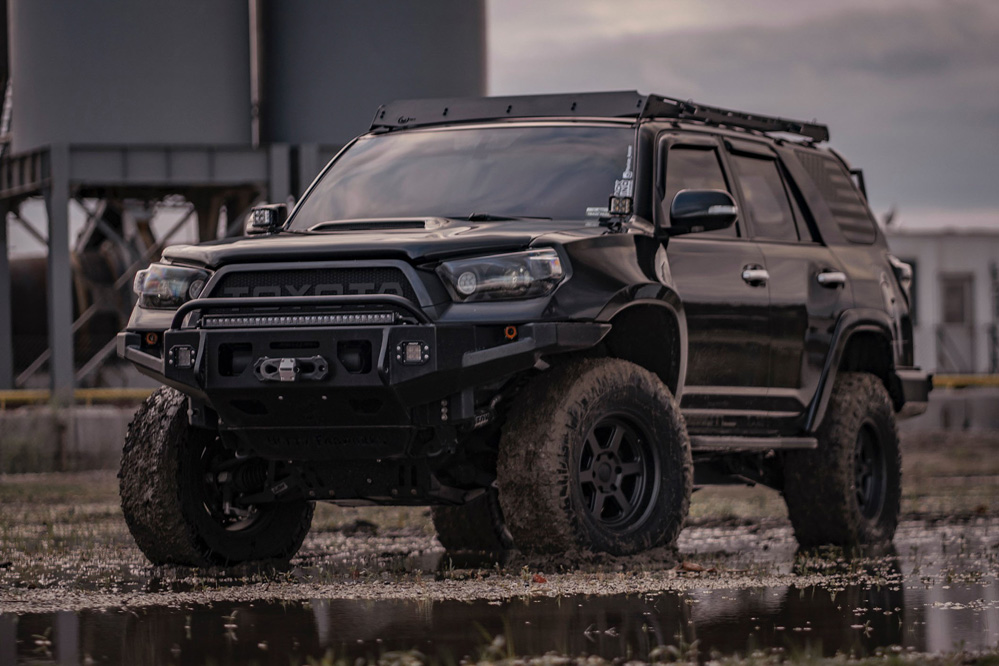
x=290 y=369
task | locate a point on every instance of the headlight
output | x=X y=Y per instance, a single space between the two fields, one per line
x=163 y=287
x=503 y=276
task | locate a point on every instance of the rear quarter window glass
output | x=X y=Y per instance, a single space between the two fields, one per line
x=765 y=197
x=837 y=188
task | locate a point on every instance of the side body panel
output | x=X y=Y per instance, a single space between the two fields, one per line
x=803 y=317
x=878 y=305
x=803 y=311
x=728 y=332
x=727 y=315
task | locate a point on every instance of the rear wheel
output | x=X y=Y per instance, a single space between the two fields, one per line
x=595 y=456
x=847 y=492
x=174 y=502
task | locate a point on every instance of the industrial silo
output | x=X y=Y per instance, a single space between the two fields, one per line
x=328 y=65
x=204 y=105
x=129 y=72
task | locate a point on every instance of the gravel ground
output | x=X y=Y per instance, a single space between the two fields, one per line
x=63 y=543
x=64 y=547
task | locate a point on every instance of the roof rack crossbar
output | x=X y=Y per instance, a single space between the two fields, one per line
x=620 y=104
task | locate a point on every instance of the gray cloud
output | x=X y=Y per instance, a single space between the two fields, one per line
x=911 y=92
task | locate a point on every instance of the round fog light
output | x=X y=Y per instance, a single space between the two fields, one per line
x=466 y=283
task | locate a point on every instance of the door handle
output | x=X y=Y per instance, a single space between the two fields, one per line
x=755 y=275
x=831 y=279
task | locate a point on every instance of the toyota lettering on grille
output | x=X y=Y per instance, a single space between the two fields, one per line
x=333 y=289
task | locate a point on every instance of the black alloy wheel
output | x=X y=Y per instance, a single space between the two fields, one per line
x=869 y=472
x=848 y=490
x=618 y=473
x=594 y=457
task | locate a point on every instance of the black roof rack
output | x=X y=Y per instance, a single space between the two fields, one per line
x=668 y=107
x=621 y=104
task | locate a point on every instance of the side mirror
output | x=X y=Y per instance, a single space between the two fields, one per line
x=265 y=219
x=693 y=211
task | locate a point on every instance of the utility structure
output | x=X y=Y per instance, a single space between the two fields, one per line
x=123 y=108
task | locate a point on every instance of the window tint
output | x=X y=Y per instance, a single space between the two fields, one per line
x=765 y=197
x=689 y=168
x=838 y=189
x=807 y=230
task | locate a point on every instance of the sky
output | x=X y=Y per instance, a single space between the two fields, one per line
x=909 y=88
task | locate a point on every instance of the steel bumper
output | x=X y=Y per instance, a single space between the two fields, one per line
x=915 y=387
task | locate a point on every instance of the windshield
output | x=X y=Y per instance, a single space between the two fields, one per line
x=553 y=172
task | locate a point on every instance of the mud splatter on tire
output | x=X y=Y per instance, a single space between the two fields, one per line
x=556 y=469
x=834 y=497
x=159 y=483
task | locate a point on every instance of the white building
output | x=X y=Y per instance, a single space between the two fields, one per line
x=956 y=294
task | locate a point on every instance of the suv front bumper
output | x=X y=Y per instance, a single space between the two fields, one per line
x=373 y=392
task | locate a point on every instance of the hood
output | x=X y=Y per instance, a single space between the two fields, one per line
x=439 y=238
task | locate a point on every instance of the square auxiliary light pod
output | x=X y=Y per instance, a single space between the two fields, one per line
x=620 y=206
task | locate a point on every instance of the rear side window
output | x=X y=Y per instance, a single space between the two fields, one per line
x=689 y=168
x=837 y=188
x=765 y=197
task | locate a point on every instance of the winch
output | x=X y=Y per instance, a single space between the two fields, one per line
x=291 y=369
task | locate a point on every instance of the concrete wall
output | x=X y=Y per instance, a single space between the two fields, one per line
x=41 y=439
x=958 y=409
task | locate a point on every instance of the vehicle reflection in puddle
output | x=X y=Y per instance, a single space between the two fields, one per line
x=853 y=619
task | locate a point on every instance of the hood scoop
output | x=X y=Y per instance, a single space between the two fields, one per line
x=405 y=223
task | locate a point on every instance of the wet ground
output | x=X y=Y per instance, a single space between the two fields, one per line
x=375 y=584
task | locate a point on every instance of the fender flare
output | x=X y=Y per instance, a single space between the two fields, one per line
x=849 y=324
x=660 y=296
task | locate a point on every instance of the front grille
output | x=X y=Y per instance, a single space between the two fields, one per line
x=315 y=282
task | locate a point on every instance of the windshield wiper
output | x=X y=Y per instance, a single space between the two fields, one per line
x=489 y=217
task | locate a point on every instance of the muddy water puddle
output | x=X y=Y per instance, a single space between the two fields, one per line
x=857 y=619
x=936 y=591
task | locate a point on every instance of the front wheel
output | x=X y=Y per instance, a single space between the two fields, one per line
x=847 y=491
x=175 y=506
x=595 y=456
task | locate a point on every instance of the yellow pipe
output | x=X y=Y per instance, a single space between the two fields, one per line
x=86 y=396
x=961 y=381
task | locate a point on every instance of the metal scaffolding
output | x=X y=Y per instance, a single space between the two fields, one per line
x=207 y=177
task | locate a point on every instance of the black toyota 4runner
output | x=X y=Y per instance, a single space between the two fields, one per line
x=549 y=318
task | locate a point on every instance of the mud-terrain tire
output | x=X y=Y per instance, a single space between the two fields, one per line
x=475 y=526
x=594 y=457
x=166 y=499
x=847 y=491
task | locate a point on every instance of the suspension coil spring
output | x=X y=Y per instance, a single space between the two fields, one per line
x=250 y=477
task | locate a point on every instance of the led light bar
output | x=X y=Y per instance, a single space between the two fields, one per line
x=265 y=321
